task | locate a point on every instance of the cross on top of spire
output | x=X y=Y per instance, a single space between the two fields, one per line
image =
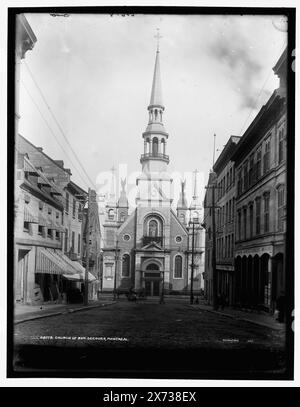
x=157 y=36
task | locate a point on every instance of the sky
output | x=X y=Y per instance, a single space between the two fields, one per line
x=95 y=72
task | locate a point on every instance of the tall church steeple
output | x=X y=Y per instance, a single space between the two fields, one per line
x=155 y=137
x=196 y=206
x=154 y=184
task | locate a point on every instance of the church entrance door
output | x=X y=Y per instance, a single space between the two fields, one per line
x=152 y=288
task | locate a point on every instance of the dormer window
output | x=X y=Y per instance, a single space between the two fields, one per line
x=111 y=214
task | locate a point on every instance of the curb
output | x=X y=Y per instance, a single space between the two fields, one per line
x=224 y=314
x=64 y=311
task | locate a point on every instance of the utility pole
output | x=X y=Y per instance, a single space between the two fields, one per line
x=116 y=267
x=213 y=260
x=213 y=207
x=192 y=266
x=162 y=294
x=87 y=239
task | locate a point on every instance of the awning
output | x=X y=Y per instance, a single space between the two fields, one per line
x=79 y=277
x=78 y=268
x=29 y=215
x=49 y=263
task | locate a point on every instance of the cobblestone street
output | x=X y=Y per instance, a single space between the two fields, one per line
x=146 y=326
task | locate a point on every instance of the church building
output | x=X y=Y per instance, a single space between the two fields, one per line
x=151 y=249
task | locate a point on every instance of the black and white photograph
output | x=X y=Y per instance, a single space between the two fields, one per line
x=151 y=207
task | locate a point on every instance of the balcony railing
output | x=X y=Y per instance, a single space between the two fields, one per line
x=157 y=156
x=150 y=239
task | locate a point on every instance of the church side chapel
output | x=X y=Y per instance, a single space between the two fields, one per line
x=150 y=249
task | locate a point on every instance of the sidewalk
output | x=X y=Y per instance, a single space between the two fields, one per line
x=24 y=313
x=262 y=319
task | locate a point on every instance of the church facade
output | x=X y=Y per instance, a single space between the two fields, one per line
x=151 y=249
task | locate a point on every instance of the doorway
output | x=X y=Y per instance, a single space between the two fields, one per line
x=152 y=288
x=22 y=273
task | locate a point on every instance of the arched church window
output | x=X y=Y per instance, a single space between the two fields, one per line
x=111 y=214
x=155 y=146
x=178 y=267
x=155 y=114
x=122 y=216
x=153 y=228
x=182 y=218
x=126 y=265
x=160 y=113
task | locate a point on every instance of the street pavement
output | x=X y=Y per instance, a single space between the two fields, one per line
x=104 y=337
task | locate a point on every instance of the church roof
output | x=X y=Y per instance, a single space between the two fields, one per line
x=156 y=93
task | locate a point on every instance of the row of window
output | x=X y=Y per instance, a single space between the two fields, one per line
x=43 y=231
x=225 y=214
x=226 y=183
x=257 y=164
x=225 y=247
x=67 y=207
x=72 y=242
x=250 y=223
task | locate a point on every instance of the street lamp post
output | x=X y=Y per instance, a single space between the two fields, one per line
x=116 y=267
x=192 y=266
x=162 y=294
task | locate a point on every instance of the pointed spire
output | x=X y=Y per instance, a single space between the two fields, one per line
x=123 y=201
x=156 y=92
x=182 y=202
x=195 y=201
x=112 y=194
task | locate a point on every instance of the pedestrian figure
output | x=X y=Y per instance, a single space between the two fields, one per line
x=218 y=302
x=131 y=294
x=280 y=306
x=223 y=301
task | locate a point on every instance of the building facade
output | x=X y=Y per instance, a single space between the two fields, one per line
x=93 y=238
x=65 y=243
x=150 y=248
x=260 y=162
x=225 y=231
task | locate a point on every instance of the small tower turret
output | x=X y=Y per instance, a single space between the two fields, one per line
x=122 y=205
x=182 y=207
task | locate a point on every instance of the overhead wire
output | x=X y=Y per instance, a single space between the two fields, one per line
x=53 y=133
x=57 y=123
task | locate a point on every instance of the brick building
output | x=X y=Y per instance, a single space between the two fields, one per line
x=223 y=176
x=260 y=162
x=71 y=200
